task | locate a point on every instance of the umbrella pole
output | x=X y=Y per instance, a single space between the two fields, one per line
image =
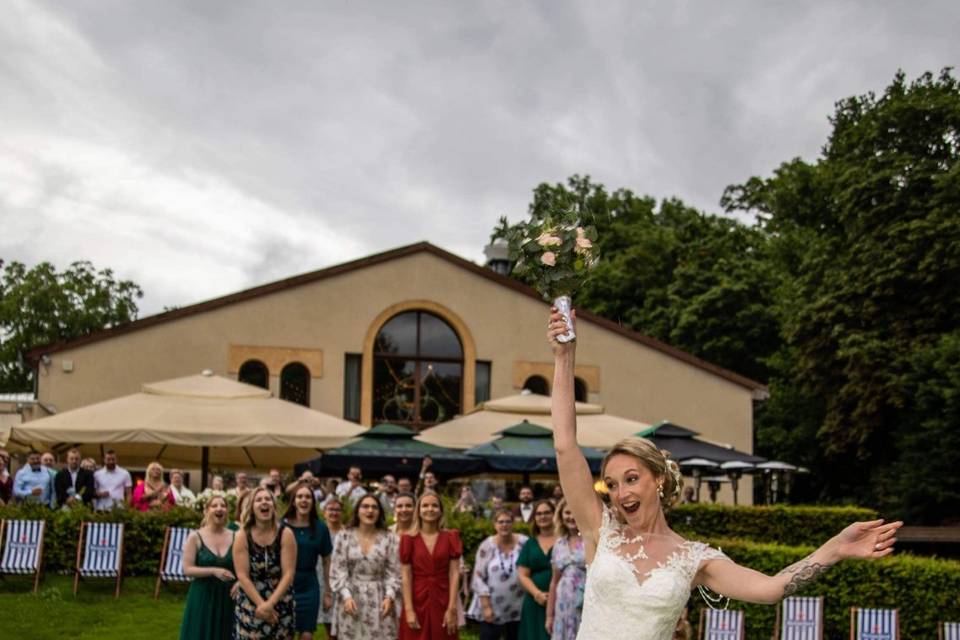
x=204 y=466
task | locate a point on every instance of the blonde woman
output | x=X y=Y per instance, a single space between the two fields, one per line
x=265 y=558
x=208 y=559
x=640 y=571
x=565 y=599
x=333 y=517
x=403 y=513
x=153 y=492
x=430 y=568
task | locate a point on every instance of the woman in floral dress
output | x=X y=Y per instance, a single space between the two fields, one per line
x=497 y=593
x=365 y=576
x=565 y=602
x=265 y=559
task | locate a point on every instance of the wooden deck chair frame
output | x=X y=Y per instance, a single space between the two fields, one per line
x=778 y=628
x=702 y=633
x=167 y=538
x=80 y=546
x=942 y=629
x=853 y=623
x=4 y=530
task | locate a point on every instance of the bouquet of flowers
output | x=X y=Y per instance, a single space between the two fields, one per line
x=555 y=255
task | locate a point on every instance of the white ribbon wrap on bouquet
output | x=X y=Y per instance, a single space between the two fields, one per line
x=564 y=306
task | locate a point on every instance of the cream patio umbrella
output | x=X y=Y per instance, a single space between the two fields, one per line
x=197 y=421
x=594 y=427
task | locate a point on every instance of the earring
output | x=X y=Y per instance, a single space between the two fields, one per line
x=660 y=490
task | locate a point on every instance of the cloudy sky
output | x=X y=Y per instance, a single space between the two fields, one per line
x=199 y=148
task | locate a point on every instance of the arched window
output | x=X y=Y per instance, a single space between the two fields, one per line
x=417 y=370
x=254 y=372
x=295 y=384
x=579 y=390
x=537 y=384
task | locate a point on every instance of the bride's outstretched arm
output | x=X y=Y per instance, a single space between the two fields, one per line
x=866 y=540
x=575 y=476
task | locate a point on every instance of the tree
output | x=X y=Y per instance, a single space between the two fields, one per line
x=866 y=242
x=696 y=281
x=41 y=306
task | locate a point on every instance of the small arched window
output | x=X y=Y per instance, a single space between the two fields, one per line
x=254 y=372
x=579 y=390
x=295 y=384
x=537 y=384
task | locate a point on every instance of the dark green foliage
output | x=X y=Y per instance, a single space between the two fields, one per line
x=866 y=243
x=143 y=534
x=797 y=526
x=694 y=280
x=41 y=306
x=843 y=296
x=923 y=589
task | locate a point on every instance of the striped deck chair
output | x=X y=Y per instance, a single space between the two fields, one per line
x=22 y=542
x=716 y=624
x=171 y=558
x=949 y=631
x=800 y=618
x=874 y=624
x=100 y=553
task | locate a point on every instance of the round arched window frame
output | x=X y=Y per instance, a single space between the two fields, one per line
x=580 y=390
x=537 y=384
x=255 y=373
x=295 y=383
x=418 y=370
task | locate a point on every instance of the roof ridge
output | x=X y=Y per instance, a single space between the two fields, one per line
x=33 y=355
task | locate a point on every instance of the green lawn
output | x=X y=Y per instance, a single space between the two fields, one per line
x=94 y=614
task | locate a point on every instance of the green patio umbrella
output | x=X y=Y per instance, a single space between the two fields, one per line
x=390 y=448
x=526 y=448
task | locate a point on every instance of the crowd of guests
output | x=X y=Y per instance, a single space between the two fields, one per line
x=284 y=561
x=391 y=570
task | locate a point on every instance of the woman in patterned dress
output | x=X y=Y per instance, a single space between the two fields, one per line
x=497 y=593
x=365 y=576
x=565 y=601
x=265 y=558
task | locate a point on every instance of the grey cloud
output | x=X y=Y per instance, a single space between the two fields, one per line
x=386 y=123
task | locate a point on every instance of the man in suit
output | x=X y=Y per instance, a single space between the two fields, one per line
x=73 y=483
x=524 y=510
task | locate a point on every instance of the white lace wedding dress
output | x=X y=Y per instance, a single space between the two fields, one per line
x=637 y=586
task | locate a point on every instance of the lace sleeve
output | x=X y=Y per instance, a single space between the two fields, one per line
x=703 y=553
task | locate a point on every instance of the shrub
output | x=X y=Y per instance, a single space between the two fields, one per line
x=790 y=525
x=923 y=589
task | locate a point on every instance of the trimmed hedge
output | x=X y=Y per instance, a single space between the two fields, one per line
x=142 y=534
x=923 y=589
x=789 y=525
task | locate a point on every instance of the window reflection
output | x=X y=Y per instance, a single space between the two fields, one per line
x=417 y=371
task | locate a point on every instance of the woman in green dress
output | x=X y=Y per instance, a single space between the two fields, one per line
x=313 y=543
x=534 y=572
x=208 y=559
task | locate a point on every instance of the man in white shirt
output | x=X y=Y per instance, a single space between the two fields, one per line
x=243 y=484
x=351 y=489
x=524 y=510
x=113 y=483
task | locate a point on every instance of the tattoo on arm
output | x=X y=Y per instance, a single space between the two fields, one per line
x=802 y=573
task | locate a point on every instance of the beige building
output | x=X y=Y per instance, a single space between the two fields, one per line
x=414 y=336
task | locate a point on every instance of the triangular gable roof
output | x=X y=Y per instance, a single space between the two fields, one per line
x=33 y=355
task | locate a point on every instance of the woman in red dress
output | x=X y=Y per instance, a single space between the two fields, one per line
x=430 y=567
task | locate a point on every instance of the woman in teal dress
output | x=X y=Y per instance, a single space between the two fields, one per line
x=313 y=541
x=208 y=559
x=534 y=572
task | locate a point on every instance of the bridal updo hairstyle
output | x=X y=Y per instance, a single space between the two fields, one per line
x=656 y=460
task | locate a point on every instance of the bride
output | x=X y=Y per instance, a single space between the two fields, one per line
x=640 y=572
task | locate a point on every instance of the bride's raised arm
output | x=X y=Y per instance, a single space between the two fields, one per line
x=575 y=476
